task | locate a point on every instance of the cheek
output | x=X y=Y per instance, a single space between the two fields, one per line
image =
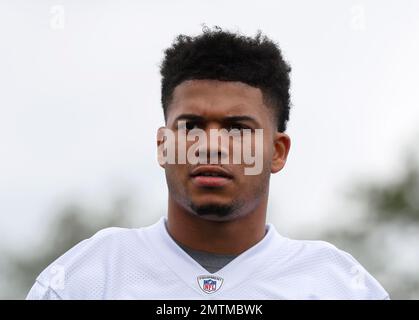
x=176 y=170
x=176 y=176
x=255 y=186
x=267 y=153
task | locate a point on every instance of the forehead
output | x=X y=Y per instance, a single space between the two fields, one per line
x=217 y=99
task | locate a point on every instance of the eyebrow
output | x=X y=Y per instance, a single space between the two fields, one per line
x=190 y=116
x=241 y=118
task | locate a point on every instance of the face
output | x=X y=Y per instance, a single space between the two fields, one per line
x=222 y=192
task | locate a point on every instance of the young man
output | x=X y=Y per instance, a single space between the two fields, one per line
x=214 y=242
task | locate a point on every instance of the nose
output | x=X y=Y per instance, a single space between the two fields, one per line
x=216 y=149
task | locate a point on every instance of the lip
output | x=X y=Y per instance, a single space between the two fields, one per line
x=223 y=176
x=220 y=171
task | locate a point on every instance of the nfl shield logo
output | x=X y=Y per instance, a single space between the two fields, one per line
x=210 y=284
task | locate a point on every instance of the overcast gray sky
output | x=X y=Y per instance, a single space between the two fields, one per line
x=80 y=100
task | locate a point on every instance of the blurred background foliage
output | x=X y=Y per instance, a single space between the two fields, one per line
x=70 y=225
x=384 y=236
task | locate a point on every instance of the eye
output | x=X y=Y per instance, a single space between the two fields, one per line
x=237 y=126
x=190 y=125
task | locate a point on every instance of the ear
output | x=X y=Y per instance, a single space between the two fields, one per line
x=160 y=146
x=281 y=147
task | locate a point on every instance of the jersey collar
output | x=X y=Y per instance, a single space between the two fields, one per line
x=188 y=270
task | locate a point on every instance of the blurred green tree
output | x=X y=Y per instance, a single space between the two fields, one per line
x=69 y=226
x=385 y=239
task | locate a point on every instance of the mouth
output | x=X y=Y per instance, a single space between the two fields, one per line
x=211 y=176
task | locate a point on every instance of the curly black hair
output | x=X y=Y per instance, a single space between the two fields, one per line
x=223 y=55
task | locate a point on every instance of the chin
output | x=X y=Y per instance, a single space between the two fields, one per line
x=215 y=210
x=217 y=218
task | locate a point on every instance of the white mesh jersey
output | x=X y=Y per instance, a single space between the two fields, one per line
x=146 y=263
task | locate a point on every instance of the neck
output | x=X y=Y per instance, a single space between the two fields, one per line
x=226 y=237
